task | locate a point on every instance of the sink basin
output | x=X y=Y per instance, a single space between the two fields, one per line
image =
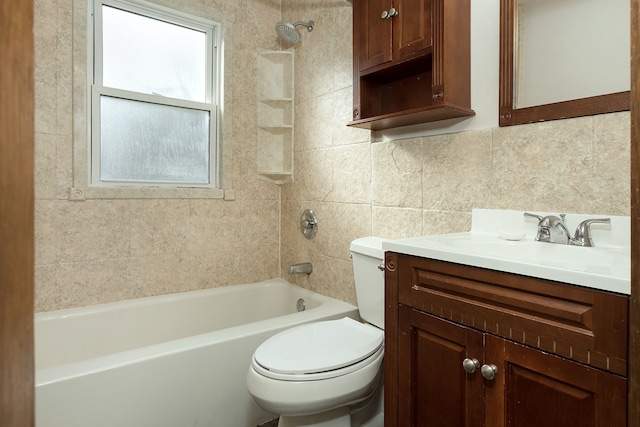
x=606 y=268
x=596 y=259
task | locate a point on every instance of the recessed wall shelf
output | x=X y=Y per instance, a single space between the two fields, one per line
x=275 y=116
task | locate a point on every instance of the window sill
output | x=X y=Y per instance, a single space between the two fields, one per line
x=83 y=193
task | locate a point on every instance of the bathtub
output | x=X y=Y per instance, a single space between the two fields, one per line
x=176 y=360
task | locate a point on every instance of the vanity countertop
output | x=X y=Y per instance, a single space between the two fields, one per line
x=504 y=241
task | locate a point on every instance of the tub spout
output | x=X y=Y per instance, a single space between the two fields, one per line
x=302 y=268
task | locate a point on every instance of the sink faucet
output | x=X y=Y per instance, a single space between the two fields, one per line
x=552 y=229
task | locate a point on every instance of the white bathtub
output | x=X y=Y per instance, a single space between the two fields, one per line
x=175 y=360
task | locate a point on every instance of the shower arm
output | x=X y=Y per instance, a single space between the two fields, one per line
x=309 y=25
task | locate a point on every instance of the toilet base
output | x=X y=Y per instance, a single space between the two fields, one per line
x=339 y=417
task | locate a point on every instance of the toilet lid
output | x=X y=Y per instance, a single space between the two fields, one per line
x=319 y=347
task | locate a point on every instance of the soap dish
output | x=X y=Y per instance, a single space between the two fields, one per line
x=512 y=235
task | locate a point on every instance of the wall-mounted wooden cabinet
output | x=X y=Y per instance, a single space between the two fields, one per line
x=470 y=347
x=411 y=62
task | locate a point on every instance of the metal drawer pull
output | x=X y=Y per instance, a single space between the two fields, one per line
x=470 y=365
x=489 y=371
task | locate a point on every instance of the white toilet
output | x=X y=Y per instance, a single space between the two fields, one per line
x=329 y=373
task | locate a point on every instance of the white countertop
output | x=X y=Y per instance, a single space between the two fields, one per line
x=606 y=266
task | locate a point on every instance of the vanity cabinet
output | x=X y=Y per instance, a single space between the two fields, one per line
x=470 y=347
x=411 y=62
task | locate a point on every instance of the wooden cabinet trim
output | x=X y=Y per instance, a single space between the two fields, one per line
x=391 y=339
x=577 y=316
x=584 y=325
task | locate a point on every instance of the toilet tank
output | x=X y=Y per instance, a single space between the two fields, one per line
x=368 y=255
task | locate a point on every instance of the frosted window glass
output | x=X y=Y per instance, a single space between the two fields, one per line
x=146 y=142
x=150 y=56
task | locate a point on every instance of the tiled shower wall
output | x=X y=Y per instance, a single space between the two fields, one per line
x=105 y=250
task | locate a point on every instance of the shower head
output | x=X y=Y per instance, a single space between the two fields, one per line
x=288 y=32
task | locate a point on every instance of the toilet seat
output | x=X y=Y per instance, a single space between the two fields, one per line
x=319 y=350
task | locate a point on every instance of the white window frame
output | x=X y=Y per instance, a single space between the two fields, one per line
x=96 y=90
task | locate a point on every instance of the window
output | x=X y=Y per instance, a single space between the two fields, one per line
x=154 y=97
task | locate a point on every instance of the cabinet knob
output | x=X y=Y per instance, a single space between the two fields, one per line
x=389 y=14
x=470 y=365
x=489 y=371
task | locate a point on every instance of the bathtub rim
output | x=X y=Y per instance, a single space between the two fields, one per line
x=332 y=308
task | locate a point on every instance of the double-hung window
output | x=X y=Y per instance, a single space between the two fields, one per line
x=154 y=97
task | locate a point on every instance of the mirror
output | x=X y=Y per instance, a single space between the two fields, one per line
x=562 y=59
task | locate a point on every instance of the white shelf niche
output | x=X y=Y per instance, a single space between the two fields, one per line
x=275 y=115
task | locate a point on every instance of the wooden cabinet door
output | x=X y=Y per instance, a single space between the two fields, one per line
x=383 y=40
x=411 y=28
x=433 y=388
x=534 y=389
x=375 y=32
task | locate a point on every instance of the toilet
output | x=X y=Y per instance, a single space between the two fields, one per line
x=329 y=373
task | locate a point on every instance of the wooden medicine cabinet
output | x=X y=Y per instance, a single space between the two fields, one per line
x=411 y=62
x=561 y=59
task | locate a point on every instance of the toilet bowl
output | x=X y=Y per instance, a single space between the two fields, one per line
x=321 y=373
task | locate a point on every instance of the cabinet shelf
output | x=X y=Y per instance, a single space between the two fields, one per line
x=405 y=66
x=414 y=116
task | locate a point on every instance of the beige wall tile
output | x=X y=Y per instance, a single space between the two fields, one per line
x=46 y=232
x=159 y=227
x=396 y=223
x=45 y=166
x=93 y=282
x=397 y=173
x=314 y=117
x=457 y=171
x=342 y=114
x=351 y=180
x=92 y=230
x=609 y=179
x=314 y=173
x=46 y=291
x=541 y=166
x=442 y=222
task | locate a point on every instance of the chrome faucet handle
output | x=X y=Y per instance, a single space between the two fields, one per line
x=543 y=234
x=532 y=215
x=582 y=236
